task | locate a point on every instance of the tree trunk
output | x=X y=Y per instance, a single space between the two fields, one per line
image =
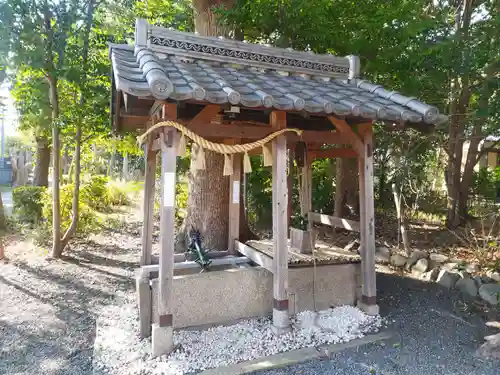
x=41 y=177
x=401 y=221
x=347 y=190
x=125 y=167
x=208 y=201
x=112 y=161
x=76 y=191
x=56 y=170
x=78 y=141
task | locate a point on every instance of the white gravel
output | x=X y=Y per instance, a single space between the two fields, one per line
x=118 y=350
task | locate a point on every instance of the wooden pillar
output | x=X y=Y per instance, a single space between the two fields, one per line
x=281 y=321
x=148 y=201
x=162 y=332
x=234 y=203
x=368 y=302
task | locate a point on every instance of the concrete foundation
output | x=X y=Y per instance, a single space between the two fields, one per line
x=162 y=340
x=218 y=297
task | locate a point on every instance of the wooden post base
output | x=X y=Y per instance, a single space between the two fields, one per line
x=369 y=309
x=281 y=322
x=162 y=340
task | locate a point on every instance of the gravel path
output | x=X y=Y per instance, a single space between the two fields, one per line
x=435 y=333
x=48 y=309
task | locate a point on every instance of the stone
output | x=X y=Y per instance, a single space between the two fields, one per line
x=434 y=273
x=468 y=287
x=398 y=260
x=382 y=258
x=490 y=293
x=414 y=257
x=472 y=268
x=495 y=276
x=450 y=266
x=383 y=250
x=421 y=266
x=438 y=258
x=431 y=275
x=447 y=279
x=464 y=274
x=478 y=280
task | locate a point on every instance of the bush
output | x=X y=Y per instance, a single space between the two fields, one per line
x=118 y=192
x=28 y=203
x=88 y=219
x=181 y=200
x=94 y=193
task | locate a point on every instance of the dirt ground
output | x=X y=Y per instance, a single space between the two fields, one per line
x=48 y=308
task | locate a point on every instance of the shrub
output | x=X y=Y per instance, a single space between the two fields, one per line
x=88 y=219
x=28 y=203
x=94 y=192
x=181 y=200
x=118 y=193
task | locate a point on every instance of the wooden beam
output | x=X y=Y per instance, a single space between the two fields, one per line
x=169 y=112
x=162 y=338
x=281 y=320
x=148 y=201
x=258 y=132
x=334 y=221
x=234 y=201
x=255 y=256
x=368 y=300
x=205 y=116
x=343 y=127
x=156 y=107
x=332 y=153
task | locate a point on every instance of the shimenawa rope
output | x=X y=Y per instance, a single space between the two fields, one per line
x=227 y=150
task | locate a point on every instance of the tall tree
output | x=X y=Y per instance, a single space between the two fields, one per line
x=208 y=196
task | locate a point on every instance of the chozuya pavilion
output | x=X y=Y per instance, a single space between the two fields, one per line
x=240 y=99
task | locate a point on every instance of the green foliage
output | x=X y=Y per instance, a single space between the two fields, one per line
x=486 y=183
x=94 y=193
x=299 y=222
x=323 y=189
x=28 y=203
x=88 y=219
x=181 y=200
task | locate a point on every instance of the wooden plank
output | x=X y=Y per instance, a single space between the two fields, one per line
x=148 y=202
x=281 y=321
x=343 y=127
x=367 y=216
x=234 y=202
x=254 y=255
x=333 y=153
x=334 y=221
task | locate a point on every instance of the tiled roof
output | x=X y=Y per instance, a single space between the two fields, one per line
x=185 y=70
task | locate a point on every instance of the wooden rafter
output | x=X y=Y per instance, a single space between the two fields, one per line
x=343 y=127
